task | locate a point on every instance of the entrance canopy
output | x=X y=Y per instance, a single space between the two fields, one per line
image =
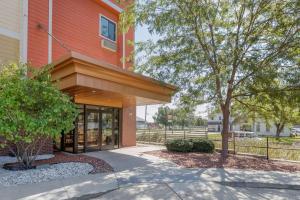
x=91 y=81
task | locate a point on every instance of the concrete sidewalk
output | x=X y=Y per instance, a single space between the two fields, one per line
x=132 y=165
x=142 y=176
x=61 y=189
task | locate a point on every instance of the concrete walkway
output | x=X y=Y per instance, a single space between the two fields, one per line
x=141 y=176
x=61 y=189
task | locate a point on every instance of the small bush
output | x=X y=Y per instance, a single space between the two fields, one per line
x=179 y=145
x=203 y=145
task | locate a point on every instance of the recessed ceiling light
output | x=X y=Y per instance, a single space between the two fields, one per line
x=94 y=91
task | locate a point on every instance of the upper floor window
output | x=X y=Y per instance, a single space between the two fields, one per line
x=108 y=28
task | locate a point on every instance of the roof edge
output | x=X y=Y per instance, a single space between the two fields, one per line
x=81 y=57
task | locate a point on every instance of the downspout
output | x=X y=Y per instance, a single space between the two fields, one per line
x=50 y=10
x=124 y=44
x=124 y=51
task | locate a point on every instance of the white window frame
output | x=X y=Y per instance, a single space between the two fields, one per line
x=116 y=35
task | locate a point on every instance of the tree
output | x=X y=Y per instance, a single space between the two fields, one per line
x=161 y=117
x=282 y=108
x=200 y=121
x=32 y=111
x=217 y=49
x=180 y=116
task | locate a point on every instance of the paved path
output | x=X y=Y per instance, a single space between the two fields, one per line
x=141 y=176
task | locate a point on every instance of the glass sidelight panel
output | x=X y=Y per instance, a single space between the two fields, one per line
x=107 y=130
x=116 y=128
x=93 y=131
x=69 y=142
x=80 y=132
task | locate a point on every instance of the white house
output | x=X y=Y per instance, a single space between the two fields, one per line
x=140 y=123
x=258 y=126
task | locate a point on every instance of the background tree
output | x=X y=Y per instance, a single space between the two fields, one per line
x=281 y=108
x=32 y=111
x=217 y=49
x=200 y=121
x=161 y=117
x=179 y=116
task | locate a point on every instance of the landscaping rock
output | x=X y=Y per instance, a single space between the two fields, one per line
x=55 y=171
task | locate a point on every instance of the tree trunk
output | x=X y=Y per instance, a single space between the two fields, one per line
x=279 y=128
x=225 y=130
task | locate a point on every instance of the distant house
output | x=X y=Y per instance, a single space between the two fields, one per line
x=214 y=122
x=140 y=123
x=258 y=126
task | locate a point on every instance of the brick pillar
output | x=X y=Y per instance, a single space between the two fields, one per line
x=129 y=122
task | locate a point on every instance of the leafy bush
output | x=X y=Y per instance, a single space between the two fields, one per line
x=32 y=110
x=203 y=145
x=188 y=145
x=179 y=145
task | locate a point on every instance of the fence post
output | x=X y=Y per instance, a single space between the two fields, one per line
x=183 y=133
x=165 y=133
x=267 y=148
x=234 y=152
x=149 y=138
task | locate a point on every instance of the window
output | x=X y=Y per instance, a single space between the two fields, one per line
x=108 y=28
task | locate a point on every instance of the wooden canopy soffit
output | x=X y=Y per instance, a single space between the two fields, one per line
x=79 y=71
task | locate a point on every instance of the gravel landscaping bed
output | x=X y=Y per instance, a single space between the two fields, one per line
x=51 y=167
x=47 y=173
x=100 y=166
x=202 y=160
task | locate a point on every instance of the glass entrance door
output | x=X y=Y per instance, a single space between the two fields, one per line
x=96 y=128
x=93 y=139
x=107 y=130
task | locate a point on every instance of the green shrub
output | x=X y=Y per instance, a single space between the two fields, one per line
x=203 y=145
x=179 y=145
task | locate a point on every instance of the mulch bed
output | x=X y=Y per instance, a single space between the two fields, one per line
x=100 y=166
x=214 y=160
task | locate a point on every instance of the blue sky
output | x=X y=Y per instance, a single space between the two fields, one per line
x=142 y=34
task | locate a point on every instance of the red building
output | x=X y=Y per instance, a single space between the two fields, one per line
x=83 y=41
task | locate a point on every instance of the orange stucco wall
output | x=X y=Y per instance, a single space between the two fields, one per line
x=129 y=122
x=37 y=39
x=76 y=25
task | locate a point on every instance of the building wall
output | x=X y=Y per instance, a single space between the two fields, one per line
x=37 y=38
x=10 y=15
x=253 y=127
x=262 y=130
x=9 y=49
x=128 y=137
x=10 y=30
x=75 y=26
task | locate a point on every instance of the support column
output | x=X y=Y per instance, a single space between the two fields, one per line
x=129 y=122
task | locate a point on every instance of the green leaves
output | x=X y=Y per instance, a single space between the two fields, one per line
x=32 y=107
x=227 y=41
